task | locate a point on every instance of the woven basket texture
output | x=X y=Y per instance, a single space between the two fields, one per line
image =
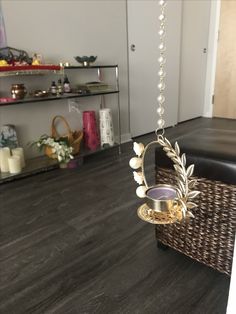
x=209 y=237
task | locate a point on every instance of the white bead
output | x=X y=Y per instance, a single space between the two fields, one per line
x=161 y=32
x=135 y=163
x=161 y=60
x=161 y=99
x=161 y=73
x=160 y=123
x=160 y=110
x=141 y=191
x=162 y=47
x=162 y=3
x=161 y=17
x=161 y=86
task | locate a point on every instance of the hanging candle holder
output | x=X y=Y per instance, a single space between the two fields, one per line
x=164 y=204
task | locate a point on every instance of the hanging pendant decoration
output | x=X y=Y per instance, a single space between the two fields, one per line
x=164 y=204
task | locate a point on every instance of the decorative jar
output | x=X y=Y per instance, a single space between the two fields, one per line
x=18 y=91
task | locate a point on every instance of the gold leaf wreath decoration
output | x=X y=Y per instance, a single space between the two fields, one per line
x=183 y=174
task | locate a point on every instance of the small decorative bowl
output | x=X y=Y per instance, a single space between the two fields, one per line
x=40 y=93
x=85 y=61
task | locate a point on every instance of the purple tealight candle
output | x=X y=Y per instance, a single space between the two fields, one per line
x=162 y=193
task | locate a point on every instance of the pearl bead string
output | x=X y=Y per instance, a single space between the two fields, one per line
x=161 y=73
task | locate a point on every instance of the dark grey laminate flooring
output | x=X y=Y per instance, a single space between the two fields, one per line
x=71 y=242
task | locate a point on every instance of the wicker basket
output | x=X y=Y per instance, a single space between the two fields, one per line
x=74 y=137
x=209 y=237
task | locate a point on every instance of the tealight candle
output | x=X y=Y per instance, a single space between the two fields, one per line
x=4 y=155
x=19 y=152
x=161 y=197
x=162 y=193
x=14 y=164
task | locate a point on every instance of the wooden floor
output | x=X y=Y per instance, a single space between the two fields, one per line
x=71 y=242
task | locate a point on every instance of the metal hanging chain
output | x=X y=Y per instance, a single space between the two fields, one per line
x=161 y=72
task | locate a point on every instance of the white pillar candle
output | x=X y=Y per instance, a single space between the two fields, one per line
x=4 y=155
x=19 y=152
x=14 y=163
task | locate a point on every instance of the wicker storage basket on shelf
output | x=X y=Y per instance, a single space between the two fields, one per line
x=209 y=237
x=74 y=137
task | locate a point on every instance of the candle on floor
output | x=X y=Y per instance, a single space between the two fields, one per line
x=14 y=164
x=19 y=152
x=4 y=155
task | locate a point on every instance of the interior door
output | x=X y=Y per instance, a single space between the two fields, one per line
x=143 y=40
x=195 y=33
x=225 y=91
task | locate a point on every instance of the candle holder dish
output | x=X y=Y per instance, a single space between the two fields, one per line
x=159 y=218
x=165 y=203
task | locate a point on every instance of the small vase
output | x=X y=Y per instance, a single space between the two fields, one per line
x=63 y=165
x=91 y=138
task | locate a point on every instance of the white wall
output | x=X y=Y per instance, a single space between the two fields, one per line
x=60 y=30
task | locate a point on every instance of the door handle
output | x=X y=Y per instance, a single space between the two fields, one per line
x=132 y=47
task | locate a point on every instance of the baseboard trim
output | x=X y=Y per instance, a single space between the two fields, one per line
x=125 y=138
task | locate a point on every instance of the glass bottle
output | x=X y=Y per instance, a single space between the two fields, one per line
x=53 y=88
x=66 y=85
x=59 y=87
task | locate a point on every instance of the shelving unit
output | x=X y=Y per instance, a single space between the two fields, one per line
x=41 y=164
